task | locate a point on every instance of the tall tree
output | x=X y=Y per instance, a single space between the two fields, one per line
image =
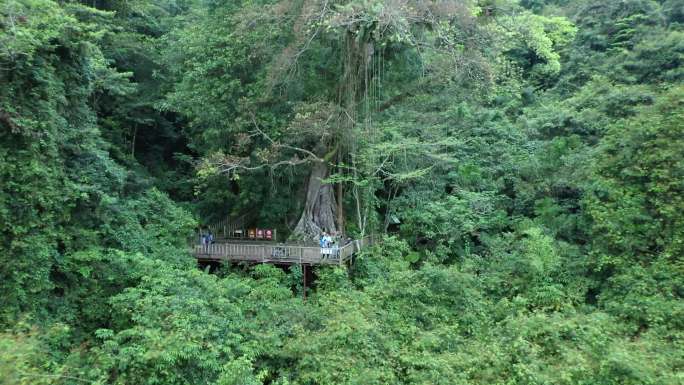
x=296 y=110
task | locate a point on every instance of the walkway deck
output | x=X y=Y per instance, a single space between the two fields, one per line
x=279 y=254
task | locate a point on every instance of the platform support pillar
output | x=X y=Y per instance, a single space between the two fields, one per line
x=304 y=281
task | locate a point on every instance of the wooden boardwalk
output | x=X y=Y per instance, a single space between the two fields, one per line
x=279 y=253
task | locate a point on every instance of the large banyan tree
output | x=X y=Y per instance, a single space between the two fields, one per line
x=328 y=68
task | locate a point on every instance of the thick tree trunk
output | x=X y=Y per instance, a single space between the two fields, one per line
x=320 y=207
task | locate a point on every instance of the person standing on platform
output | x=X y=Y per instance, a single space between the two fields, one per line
x=321 y=240
x=203 y=241
x=324 y=242
x=335 y=246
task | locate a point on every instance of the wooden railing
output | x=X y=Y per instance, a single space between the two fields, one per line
x=287 y=254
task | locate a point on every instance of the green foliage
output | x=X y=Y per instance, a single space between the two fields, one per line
x=183 y=324
x=63 y=197
x=527 y=156
x=543 y=36
x=637 y=201
x=455 y=223
x=636 y=207
x=20 y=360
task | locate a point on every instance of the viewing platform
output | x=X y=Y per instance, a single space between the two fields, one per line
x=269 y=252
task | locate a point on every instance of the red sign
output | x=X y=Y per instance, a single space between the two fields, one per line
x=269 y=234
x=260 y=233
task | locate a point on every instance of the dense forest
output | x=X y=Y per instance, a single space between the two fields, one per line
x=522 y=162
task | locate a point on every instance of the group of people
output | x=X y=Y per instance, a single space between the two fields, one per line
x=327 y=240
x=330 y=243
x=206 y=238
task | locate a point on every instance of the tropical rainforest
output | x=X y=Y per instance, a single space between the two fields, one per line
x=521 y=163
